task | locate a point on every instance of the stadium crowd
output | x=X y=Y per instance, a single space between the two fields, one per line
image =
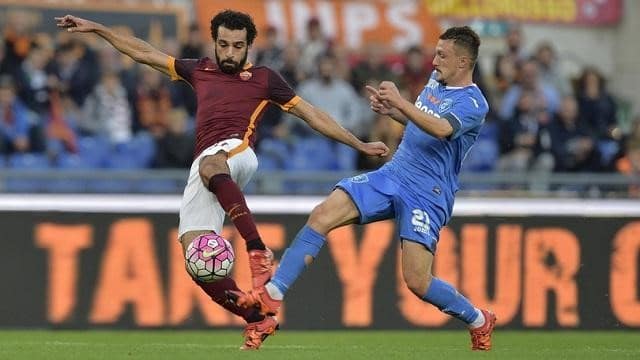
x=68 y=103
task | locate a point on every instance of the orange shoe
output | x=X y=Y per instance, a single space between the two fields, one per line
x=261 y=265
x=258 y=298
x=481 y=337
x=255 y=333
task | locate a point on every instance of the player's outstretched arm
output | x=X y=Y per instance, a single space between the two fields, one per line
x=439 y=128
x=137 y=49
x=327 y=126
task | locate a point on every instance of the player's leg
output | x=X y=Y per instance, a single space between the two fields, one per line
x=224 y=175
x=416 y=270
x=216 y=176
x=355 y=200
x=201 y=213
x=335 y=211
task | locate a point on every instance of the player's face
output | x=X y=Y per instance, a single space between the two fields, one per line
x=231 y=49
x=446 y=61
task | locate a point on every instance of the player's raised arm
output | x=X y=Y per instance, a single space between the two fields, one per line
x=379 y=106
x=137 y=49
x=439 y=128
x=327 y=126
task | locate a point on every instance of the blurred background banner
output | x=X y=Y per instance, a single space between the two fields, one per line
x=141 y=19
x=351 y=23
x=75 y=269
x=575 y=12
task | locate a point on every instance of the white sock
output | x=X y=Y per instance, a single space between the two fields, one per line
x=479 y=321
x=274 y=292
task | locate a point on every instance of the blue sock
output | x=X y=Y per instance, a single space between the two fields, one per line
x=307 y=242
x=450 y=301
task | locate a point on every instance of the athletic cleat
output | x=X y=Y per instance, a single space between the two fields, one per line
x=261 y=265
x=481 y=337
x=255 y=333
x=258 y=298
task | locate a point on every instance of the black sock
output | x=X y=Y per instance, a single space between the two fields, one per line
x=255 y=244
x=254 y=317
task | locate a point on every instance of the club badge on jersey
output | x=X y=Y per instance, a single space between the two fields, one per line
x=245 y=75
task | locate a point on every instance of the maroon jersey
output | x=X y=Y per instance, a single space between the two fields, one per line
x=230 y=105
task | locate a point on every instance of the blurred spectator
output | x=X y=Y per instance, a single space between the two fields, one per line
x=77 y=68
x=107 y=112
x=315 y=44
x=572 y=145
x=514 y=44
x=371 y=67
x=416 y=70
x=270 y=54
x=529 y=80
x=549 y=70
x=61 y=123
x=629 y=164
x=153 y=101
x=14 y=119
x=519 y=136
x=331 y=94
x=175 y=147
x=504 y=76
x=17 y=35
x=193 y=48
x=598 y=109
x=34 y=80
x=291 y=70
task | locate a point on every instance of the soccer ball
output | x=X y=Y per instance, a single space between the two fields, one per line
x=209 y=258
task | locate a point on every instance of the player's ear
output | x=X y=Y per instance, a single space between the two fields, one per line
x=463 y=62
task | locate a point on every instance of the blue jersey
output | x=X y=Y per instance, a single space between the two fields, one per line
x=426 y=164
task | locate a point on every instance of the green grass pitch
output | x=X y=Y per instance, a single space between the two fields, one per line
x=334 y=345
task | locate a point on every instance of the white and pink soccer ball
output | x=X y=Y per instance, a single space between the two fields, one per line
x=209 y=258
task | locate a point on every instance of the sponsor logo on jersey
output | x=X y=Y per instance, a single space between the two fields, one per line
x=362 y=178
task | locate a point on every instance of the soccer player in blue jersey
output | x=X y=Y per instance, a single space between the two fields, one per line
x=417 y=187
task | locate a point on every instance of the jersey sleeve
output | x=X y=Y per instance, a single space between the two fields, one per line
x=181 y=69
x=280 y=92
x=466 y=113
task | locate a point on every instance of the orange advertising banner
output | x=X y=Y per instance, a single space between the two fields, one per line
x=351 y=23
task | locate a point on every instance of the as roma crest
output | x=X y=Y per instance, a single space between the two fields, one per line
x=245 y=75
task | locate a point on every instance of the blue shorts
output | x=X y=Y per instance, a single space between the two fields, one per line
x=379 y=196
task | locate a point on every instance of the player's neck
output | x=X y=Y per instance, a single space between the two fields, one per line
x=462 y=80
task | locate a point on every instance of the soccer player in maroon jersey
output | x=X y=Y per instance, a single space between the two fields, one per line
x=232 y=96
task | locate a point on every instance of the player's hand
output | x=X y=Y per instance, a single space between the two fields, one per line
x=378 y=105
x=76 y=24
x=375 y=148
x=389 y=94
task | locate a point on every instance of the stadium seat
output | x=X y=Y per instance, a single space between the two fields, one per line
x=345 y=158
x=94 y=150
x=158 y=186
x=117 y=161
x=310 y=155
x=141 y=148
x=485 y=153
x=31 y=162
x=275 y=148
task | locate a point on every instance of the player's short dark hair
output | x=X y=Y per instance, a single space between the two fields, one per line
x=464 y=37
x=234 y=20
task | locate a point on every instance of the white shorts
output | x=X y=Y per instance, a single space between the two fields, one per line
x=200 y=209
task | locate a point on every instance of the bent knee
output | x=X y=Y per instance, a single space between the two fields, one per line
x=322 y=218
x=418 y=282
